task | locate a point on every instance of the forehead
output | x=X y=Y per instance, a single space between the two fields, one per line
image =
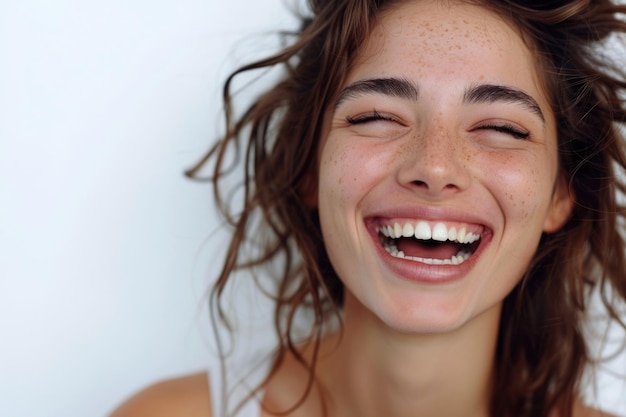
x=442 y=38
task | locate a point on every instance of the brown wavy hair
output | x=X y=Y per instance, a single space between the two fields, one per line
x=273 y=145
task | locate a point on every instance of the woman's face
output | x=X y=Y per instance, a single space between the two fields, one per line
x=438 y=170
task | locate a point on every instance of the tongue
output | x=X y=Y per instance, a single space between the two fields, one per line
x=427 y=250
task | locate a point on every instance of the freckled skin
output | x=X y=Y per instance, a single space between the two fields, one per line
x=436 y=154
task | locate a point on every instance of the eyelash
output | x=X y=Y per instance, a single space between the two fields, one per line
x=506 y=129
x=369 y=117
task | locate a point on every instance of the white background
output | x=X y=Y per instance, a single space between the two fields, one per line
x=104 y=257
x=104 y=249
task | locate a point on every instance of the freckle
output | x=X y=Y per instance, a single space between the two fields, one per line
x=354 y=179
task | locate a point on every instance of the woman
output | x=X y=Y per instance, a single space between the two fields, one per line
x=441 y=176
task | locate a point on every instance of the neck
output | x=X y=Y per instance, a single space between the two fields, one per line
x=373 y=370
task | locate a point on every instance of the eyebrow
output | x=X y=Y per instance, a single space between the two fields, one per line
x=394 y=87
x=489 y=93
x=403 y=88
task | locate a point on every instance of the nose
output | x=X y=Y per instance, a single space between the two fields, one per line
x=435 y=163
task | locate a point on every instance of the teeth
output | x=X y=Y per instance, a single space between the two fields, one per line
x=397 y=231
x=390 y=247
x=461 y=235
x=440 y=232
x=471 y=238
x=408 y=230
x=457 y=259
x=423 y=231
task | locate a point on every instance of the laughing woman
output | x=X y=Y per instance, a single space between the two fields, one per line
x=441 y=179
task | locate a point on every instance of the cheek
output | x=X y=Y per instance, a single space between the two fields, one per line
x=522 y=183
x=349 y=168
x=336 y=176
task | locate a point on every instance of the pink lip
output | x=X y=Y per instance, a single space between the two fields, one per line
x=421 y=272
x=431 y=213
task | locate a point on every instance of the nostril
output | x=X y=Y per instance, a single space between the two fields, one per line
x=424 y=184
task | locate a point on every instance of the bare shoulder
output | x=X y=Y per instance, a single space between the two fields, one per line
x=184 y=396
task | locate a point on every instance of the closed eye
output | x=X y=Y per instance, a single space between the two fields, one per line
x=507 y=129
x=369 y=117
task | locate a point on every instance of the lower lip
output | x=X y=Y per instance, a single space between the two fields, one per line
x=426 y=273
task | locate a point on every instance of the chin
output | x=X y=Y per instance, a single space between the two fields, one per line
x=423 y=314
x=418 y=322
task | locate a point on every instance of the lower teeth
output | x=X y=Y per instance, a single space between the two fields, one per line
x=457 y=259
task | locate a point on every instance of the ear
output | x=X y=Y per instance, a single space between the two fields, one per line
x=560 y=208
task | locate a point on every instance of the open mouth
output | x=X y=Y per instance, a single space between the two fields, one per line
x=435 y=244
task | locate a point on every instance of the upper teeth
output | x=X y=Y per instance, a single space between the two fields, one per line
x=423 y=231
